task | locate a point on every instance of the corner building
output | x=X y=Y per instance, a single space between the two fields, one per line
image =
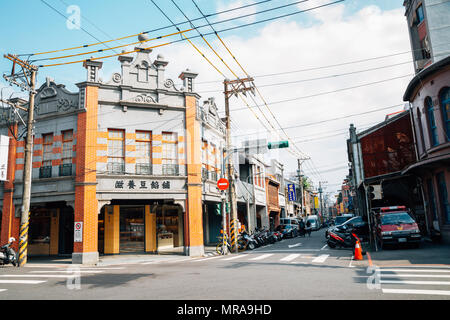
x=117 y=166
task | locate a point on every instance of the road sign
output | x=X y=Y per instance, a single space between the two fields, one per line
x=78 y=232
x=278 y=144
x=223 y=184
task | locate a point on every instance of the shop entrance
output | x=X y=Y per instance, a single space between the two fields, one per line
x=132 y=229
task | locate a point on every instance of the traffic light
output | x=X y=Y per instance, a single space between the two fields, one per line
x=375 y=192
x=218 y=209
x=278 y=144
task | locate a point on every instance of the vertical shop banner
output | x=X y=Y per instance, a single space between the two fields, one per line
x=291 y=192
x=78 y=232
x=4 y=147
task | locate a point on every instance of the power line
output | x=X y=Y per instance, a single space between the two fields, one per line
x=65 y=17
x=334 y=119
x=329 y=92
x=246 y=73
x=193 y=37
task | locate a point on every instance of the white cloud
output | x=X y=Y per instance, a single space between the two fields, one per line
x=285 y=45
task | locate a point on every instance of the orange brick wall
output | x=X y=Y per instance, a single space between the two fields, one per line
x=85 y=189
x=10 y=224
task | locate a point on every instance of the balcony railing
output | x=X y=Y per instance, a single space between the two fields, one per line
x=142 y=168
x=116 y=168
x=45 y=172
x=170 y=169
x=204 y=174
x=65 y=169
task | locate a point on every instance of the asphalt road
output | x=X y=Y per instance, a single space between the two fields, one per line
x=299 y=268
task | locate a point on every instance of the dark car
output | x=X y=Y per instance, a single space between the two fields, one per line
x=288 y=230
x=394 y=225
x=341 y=219
x=358 y=224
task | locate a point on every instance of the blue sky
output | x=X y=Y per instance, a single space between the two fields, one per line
x=41 y=29
x=352 y=30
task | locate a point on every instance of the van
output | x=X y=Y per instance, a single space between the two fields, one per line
x=315 y=222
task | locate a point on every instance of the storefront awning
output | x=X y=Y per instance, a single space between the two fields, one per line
x=428 y=163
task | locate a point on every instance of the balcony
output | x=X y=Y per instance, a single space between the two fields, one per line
x=144 y=169
x=170 y=170
x=116 y=168
x=45 y=172
x=65 y=170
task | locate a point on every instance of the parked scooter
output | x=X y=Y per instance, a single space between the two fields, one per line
x=248 y=241
x=342 y=240
x=7 y=254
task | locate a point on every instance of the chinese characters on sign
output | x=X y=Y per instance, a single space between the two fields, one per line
x=291 y=192
x=141 y=185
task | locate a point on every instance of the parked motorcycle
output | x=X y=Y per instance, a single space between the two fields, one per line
x=7 y=254
x=248 y=241
x=342 y=240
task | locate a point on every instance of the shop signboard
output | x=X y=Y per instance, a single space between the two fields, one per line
x=78 y=232
x=4 y=146
x=291 y=192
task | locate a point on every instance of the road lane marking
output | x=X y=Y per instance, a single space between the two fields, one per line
x=323 y=248
x=290 y=257
x=294 y=245
x=23 y=281
x=321 y=258
x=68 y=271
x=264 y=256
x=415 y=270
x=1 y=290
x=350 y=264
x=441 y=283
x=236 y=257
x=411 y=291
x=38 y=275
x=206 y=259
x=416 y=276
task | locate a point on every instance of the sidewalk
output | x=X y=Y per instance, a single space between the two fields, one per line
x=430 y=254
x=106 y=260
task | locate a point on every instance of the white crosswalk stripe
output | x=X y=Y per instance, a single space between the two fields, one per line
x=236 y=257
x=290 y=257
x=1 y=290
x=19 y=281
x=321 y=258
x=264 y=256
x=406 y=280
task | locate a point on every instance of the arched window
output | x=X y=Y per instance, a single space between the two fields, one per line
x=420 y=133
x=445 y=105
x=431 y=122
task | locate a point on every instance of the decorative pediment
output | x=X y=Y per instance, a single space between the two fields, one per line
x=52 y=98
x=144 y=98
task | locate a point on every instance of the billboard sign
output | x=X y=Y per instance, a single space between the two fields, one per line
x=4 y=147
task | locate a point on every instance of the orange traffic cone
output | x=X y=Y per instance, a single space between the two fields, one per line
x=358 y=251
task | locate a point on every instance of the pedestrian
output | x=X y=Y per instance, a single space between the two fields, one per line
x=308 y=228
x=301 y=226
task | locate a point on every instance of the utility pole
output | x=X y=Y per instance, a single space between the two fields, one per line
x=233 y=87
x=300 y=182
x=321 y=199
x=26 y=80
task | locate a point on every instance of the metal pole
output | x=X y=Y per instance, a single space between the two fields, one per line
x=26 y=194
x=300 y=181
